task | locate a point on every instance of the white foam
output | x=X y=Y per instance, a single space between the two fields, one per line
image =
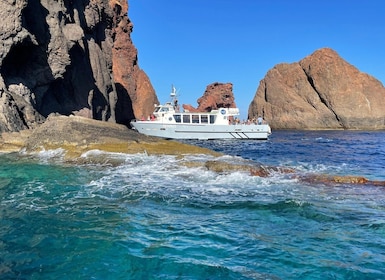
x=96 y=152
x=166 y=176
x=47 y=155
x=142 y=175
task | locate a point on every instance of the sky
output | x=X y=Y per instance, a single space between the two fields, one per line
x=193 y=43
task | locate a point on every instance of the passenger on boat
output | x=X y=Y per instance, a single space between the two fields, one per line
x=260 y=120
x=176 y=106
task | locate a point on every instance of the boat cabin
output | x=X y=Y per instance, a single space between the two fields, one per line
x=169 y=113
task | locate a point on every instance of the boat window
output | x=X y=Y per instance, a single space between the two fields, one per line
x=164 y=109
x=177 y=118
x=195 y=118
x=204 y=119
x=186 y=118
x=212 y=118
x=157 y=109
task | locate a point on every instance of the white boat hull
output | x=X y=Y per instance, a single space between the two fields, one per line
x=202 y=131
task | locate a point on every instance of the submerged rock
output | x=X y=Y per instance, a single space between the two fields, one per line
x=339 y=180
x=255 y=169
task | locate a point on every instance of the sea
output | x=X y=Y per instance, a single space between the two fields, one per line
x=140 y=216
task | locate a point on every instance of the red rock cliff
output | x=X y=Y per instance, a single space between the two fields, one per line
x=216 y=95
x=125 y=68
x=322 y=91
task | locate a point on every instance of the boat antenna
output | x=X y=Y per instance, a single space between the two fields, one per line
x=173 y=91
x=174 y=98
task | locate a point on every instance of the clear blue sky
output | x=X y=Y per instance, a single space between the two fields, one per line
x=194 y=43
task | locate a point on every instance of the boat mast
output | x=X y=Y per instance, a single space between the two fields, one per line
x=174 y=98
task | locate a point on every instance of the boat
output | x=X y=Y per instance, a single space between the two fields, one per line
x=167 y=121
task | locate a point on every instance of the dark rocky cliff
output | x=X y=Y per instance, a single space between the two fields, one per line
x=69 y=57
x=322 y=91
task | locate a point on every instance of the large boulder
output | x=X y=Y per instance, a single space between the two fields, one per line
x=216 y=95
x=60 y=57
x=322 y=91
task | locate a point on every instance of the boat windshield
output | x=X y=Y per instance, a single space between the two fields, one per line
x=161 y=109
x=164 y=109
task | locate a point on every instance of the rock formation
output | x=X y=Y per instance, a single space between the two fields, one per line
x=69 y=57
x=89 y=135
x=129 y=78
x=322 y=91
x=217 y=95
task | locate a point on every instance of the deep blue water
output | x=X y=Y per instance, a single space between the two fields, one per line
x=149 y=217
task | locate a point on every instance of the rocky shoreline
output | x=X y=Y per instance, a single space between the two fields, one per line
x=78 y=135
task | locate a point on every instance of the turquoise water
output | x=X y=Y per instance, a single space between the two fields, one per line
x=148 y=217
